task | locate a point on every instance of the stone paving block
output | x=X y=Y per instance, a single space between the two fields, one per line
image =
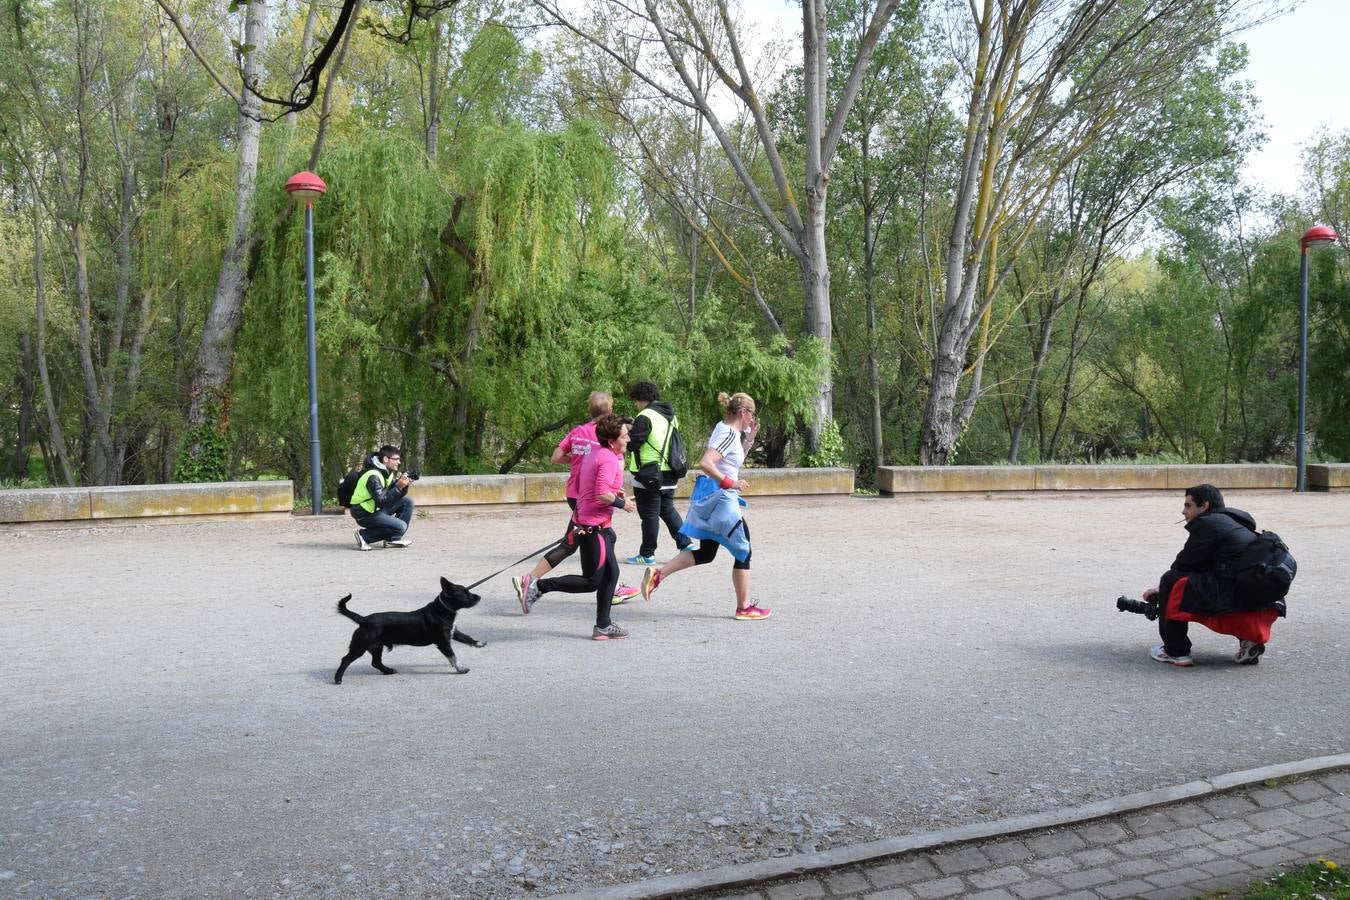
x=1187 y=837
x=753 y=895
x=1000 y=877
x=1188 y=857
x=1232 y=806
x=1097 y=856
x=1319 y=846
x=901 y=872
x=1189 y=815
x=1173 y=877
x=1029 y=890
x=1006 y=852
x=1145 y=846
x=1307 y=790
x=897 y=893
x=798 y=890
x=1054 y=865
x=1132 y=868
x=1180 y=892
x=1266 y=798
x=1079 y=895
x=962 y=860
x=1267 y=819
x=1337 y=781
x=1273 y=856
x=1227 y=828
x=1315 y=809
x=1103 y=833
x=846 y=882
x=1342 y=801
x=1271 y=838
x=1151 y=822
x=1086 y=878
x=1056 y=842
x=995 y=894
x=1224 y=867
x=942 y=887
x=1233 y=847
x=1315 y=827
x=1226 y=885
x=1118 y=889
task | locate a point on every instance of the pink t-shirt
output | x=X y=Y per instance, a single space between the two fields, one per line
x=578 y=444
x=601 y=473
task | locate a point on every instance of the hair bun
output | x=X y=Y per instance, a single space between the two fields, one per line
x=723 y=399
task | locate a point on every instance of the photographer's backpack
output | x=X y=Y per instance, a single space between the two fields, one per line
x=1263 y=574
x=347 y=486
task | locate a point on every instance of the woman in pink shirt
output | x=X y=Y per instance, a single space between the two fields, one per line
x=572 y=449
x=600 y=491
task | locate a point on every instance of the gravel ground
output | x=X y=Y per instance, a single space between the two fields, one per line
x=172 y=728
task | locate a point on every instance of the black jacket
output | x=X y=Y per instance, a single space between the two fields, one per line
x=1216 y=540
x=641 y=429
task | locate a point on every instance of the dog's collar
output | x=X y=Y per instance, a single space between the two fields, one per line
x=441 y=601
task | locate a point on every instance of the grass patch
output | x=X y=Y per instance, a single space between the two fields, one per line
x=1321 y=880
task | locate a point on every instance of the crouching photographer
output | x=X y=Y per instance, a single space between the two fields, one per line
x=380 y=503
x=1227 y=577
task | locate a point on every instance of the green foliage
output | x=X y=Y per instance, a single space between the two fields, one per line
x=831 y=453
x=210 y=463
x=1321 y=880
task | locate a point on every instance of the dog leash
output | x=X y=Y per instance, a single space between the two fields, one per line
x=548 y=546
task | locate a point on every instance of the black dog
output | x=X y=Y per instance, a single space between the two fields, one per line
x=432 y=624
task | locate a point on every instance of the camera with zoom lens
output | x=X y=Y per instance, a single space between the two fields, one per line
x=412 y=474
x=1146 y=608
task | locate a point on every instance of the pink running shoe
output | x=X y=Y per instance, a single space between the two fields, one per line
x=651 y=580
x=753 y=612
x=623 y=593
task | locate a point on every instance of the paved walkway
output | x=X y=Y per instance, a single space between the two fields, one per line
x=1164 y=853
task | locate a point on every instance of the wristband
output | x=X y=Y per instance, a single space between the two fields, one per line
x=727 y=482
x=618 y=501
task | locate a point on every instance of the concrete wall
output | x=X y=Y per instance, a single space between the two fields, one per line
x=1329 y=477
x=147 y=501
x=922 y=479
x=457 y=490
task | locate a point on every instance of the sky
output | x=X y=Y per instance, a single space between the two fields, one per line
x=1296 y=64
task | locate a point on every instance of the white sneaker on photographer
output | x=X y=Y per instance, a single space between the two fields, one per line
x=1161 y=655
x=398 y=542
x=361 y=541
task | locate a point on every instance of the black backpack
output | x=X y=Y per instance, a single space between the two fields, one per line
x=347 y=486
x=676 y=457
x=1263 y=573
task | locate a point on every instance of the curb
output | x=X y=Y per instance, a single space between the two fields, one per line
x=763 y=870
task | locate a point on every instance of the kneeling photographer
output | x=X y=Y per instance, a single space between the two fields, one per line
x=1217 y=581
x=380 y=503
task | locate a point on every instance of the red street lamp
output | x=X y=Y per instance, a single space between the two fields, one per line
x=1316 y=236
x=306 y=187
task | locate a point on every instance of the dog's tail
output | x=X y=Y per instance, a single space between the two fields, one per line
x=355 y=617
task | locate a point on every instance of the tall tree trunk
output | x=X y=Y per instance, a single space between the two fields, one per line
x=1033 y=385
x=54 y=432
x=18 y=463
x=869 y=288
x=215 y=357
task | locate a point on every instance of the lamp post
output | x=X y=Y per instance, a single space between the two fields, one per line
x=1316 y=236
x=306 y=187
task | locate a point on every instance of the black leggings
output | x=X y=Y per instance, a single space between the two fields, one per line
x=599 y=572
x=707 y=549
x=566 y=547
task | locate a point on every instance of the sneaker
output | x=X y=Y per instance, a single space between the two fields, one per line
x=1158 y=653
x=360 y=541
x=1249 y=653
x=400 y=542
x=528 y=587
x=753 y=612
x=612 y=632
x=651 y=580
x=640 y=560
x=515 y=583
x=622 y=593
